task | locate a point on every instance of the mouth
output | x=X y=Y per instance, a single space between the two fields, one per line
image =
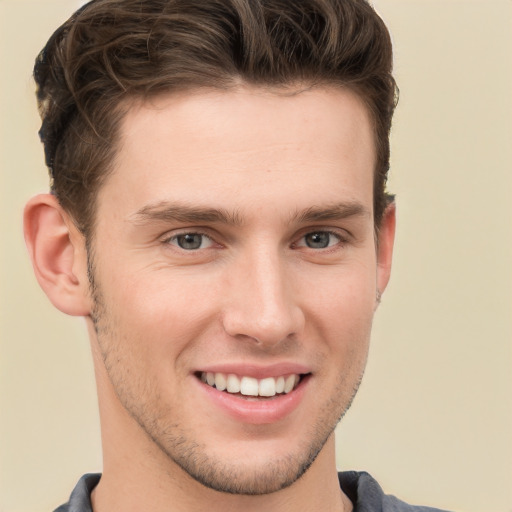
x=255 y=395
x=247 y=387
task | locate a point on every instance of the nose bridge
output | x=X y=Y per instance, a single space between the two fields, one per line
x=263 y=306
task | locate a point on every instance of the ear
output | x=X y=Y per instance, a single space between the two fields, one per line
x=58 y=254
x=385 y=242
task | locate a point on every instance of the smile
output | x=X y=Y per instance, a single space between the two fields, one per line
x=250 y=386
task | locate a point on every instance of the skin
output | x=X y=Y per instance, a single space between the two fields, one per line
x=274 y=173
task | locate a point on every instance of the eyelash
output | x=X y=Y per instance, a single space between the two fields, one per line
x=341 y=240
x=168 y=240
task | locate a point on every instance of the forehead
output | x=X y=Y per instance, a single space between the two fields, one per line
x=242 y=145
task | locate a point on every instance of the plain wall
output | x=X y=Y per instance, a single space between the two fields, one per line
x=433 y=419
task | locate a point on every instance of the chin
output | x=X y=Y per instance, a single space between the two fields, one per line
x=263 y=472
x=246 y=478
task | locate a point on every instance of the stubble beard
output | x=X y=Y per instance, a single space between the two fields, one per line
x=174 y=440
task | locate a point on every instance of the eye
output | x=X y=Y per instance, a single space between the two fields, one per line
x=319 y=240
x=190 y=241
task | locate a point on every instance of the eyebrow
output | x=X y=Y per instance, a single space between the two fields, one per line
x=338 y=211
x=180 y=212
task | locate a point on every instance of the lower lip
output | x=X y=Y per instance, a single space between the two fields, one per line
x=254 y=411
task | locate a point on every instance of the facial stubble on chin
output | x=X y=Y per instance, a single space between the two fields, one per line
x=190 y=456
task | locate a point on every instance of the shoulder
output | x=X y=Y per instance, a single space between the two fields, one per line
x=80 y=499
x=367 y=495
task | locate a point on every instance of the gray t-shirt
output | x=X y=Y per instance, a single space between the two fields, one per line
x=363 y=490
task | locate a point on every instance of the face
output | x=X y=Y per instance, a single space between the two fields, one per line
x=235 y=278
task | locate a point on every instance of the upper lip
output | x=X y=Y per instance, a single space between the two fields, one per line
x=256 y=371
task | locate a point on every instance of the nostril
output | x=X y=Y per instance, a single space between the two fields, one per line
x=264 y=312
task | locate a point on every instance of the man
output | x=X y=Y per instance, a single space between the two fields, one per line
x=218 y=215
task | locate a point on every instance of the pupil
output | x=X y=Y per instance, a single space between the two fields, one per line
x=318 y=240
x=190 y=241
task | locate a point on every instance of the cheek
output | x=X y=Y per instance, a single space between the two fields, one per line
x=346 y=294
x=160 y=308
x=341 y=312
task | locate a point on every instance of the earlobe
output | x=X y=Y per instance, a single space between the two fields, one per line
x=58 y=255
x=386 y=239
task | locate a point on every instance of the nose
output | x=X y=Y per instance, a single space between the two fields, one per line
x=262 y=301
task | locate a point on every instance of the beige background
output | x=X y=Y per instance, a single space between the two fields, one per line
x=433 y=421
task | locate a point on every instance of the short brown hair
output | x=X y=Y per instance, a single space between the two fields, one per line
x=111 y=51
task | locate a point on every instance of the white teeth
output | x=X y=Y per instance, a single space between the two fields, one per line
x=249 y=386
x=280 y=385
x=233 y=384
x=289 y=383
x=267 y=387
x=220 y=381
